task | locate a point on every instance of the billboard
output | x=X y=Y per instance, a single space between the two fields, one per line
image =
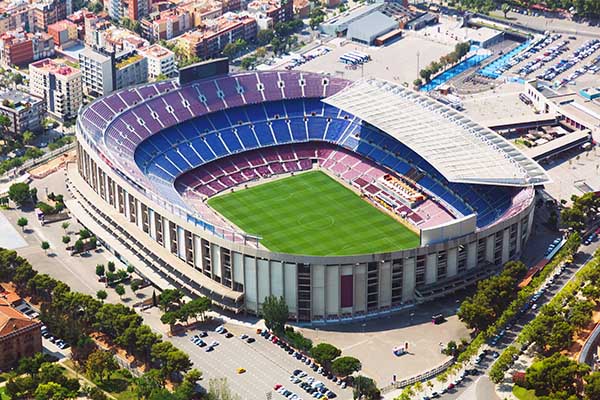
x=204 y=69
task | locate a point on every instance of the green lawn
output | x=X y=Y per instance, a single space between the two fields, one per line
x=523 y=394
x=313 y=214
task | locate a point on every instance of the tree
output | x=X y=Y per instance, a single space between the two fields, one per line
x=65 y=225
x=592 y=386
x=66 y=239
x=230 y=50
x=100 y=364
x=130 y=269
x=135 y=285
x=366 y=387
x=344 y=366
x=45 y=246
x=505 y=8
x=317 y=16
x=170 y=299
x=325 y=353
x=111 y=266
x=82 y=349
x=78 y=246
x=120 y=290
x=100 y=270
x=275 y=312
x=555 y=374
x=218 y=389
x=51 y=391
x=264 y=36
x=20 y=193
x=101 y=295
x=95 y=7
x=22 y=222
x=27 y=137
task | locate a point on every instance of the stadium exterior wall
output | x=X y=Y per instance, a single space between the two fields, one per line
x=239 y=277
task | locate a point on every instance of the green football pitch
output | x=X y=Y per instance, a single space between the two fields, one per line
x=312 y=214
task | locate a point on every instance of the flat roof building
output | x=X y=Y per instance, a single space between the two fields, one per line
x=338 y=25
x=59 y=85
x=24 y=111
x=161 y=61
x=365 y=30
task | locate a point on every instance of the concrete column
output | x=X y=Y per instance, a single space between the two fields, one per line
x=431 y=269
x=409 y=279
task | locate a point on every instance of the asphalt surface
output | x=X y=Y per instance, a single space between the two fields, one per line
x=266 y=364
x=484 y=388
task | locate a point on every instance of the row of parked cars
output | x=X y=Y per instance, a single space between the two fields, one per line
x=547 y=54
x=584 y=51
x=592 y=237
x=304 y=58
x=313 y=387
x=299 y=374
x=61 y=344
x=552 y=246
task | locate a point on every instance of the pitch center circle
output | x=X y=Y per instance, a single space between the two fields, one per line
x=316 y=222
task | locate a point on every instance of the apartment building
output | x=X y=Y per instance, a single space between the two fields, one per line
x=277 y=10
x=24 y=111
x=104 y=71
x=14 y=16
x=19 y=47
x=133 y=9
x=64 y=33
x=212 y=38
x=161 y=61
x=48 y=12
x=60 y=85
x=167 y=24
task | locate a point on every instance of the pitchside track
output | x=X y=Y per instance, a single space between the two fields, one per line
x=312 y=214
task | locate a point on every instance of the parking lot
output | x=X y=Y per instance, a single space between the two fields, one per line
x=266 y=364
x=558 y=59
x=399 y=61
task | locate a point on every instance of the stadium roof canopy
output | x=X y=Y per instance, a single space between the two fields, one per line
x=460 y=149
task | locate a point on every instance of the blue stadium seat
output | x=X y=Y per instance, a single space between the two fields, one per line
x=247 y=137
x=264 y=134
x=294 y=108
x=298 y=128
x=273 y=108
x=236 y=115
x=313 y=106
x=202 y=149
x=216 y=145
x=231 y=140
x=281 y=131
x=316 y=127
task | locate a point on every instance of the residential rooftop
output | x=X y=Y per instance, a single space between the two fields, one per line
x=50 y=65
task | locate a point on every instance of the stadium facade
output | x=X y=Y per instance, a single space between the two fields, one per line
x=149 y=157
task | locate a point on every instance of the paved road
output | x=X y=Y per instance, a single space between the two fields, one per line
x=483 y=388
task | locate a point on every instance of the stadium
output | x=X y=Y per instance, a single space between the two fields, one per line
x=349 y=199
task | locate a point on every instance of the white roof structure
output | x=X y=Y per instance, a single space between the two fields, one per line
x=460 y=149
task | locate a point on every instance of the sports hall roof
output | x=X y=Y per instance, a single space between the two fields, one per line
x=460 y=149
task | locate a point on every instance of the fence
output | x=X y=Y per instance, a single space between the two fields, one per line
x=13 y=173
x=418 y=378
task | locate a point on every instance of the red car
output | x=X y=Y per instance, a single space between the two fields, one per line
x=275 y=339
x=277 y=386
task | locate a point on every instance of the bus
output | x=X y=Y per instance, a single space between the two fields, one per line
x=364 y=57
x=348 y=60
